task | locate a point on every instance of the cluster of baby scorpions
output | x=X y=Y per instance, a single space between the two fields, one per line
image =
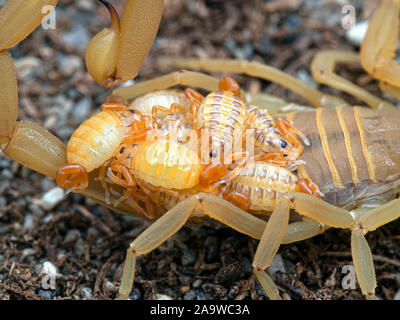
x=135 y=156
x=174 y=156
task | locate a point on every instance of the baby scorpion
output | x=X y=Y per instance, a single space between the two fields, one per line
x=224 y=117
x=96 y=140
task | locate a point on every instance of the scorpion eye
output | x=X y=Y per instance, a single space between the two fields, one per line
x=213 y=154
x=283 y=144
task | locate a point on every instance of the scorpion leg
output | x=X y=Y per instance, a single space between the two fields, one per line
x=183 y=77
x=323 y=66
x=392 y=90
x=9 y=98
x=218 y=209
x=18 y=18
x=262 y=71
x=378 y=48
x=151 y=238
x=115 y=54
x=269 y=244
x=359 y=225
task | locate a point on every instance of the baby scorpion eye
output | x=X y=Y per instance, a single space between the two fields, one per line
x=213 y=154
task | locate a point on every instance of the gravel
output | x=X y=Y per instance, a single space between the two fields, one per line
x=51 y=198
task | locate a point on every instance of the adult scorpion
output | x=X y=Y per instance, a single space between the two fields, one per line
x=353 y=156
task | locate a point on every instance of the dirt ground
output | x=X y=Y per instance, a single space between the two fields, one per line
x=87 y=243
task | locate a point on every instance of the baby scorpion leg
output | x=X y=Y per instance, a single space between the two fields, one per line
x=128 y=183
x=322 y=68
x=262 y=71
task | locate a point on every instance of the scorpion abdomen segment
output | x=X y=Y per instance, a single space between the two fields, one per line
x=354 y=149
x=263 y=183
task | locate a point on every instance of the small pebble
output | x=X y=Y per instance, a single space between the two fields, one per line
x=46 y=294
x=305 y=77
x=87 y=293
x=81 y=109
x=163 y=297
x=190 y=295
x=28 y=68
x=265 y=44
x=200 y=296
x=246 y=52
x=292 y=21
x=277 y=264
x=3 y=202
x=47 y=184
x=69 y=65
x=51 y=198
x=49 y=269
x=197 y=283
x=4 y=163
x=72 y=235
x=135 y=294
x=80 y=247
x=6 y=173
x=230 y=45
x=78 y=36
x=188 y=257
x=47 y=218
x=86 y=5
x=356 y=34
x=109 y=286
x=29 y=221
x=36 y=210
